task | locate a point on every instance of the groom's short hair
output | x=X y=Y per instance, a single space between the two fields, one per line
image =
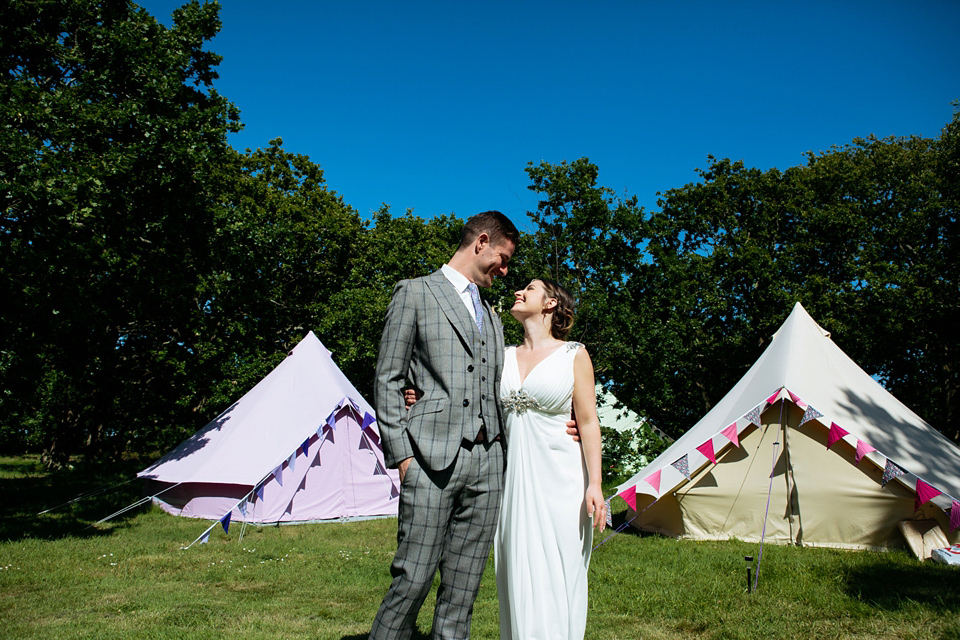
x=493 y=223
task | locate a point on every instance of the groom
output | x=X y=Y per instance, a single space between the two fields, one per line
x=448 y=447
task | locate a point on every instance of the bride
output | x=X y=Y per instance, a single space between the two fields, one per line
x=551 y=495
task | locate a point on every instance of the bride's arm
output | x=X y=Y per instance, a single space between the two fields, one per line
x=585 y=409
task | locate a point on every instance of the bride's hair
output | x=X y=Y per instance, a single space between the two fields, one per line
x=562 y=320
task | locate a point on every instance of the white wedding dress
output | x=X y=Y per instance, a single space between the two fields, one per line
x=544 y=535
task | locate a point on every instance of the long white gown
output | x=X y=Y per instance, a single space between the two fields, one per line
x=544 y=536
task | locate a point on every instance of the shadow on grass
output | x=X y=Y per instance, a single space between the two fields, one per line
x=892 y=586
x=28 y=489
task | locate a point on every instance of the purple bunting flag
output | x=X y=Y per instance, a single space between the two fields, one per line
x=954 y=516
x=278 y=474
x=305 y=447
x=890 y=472
x=259 y=493
x=225 y=521
x=393 y=490
x=379 y=470
x=367 y=420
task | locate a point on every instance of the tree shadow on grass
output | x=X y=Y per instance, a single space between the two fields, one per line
x=892 y=586
x=28 y=490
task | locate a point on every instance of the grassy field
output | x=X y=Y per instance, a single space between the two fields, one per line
x=61 y=578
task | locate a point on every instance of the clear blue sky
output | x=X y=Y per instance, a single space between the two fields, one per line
x=438 y=106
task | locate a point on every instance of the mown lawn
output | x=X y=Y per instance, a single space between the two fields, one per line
x=60 y=577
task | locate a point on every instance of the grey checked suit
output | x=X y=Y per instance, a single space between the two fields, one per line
x=450 y=497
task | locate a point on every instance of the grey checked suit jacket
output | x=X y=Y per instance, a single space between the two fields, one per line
x=430 y=339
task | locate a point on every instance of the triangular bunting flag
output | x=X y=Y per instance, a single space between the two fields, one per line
x=810 y=414
x=606 y=504
x=773 y=398
x=364 y=442
x=292 y=462
x=259 y=493
x=328 y=433
x=379 y=470
x=243 y=507
x=653 y=480
x=393 y=490
x=225 y=521
x=754 y=416
x=367 y=420
x=730 y=433
x=332 y=420
x=707 y=450
x=305 y=447
x=836 y=433
x=862 y=449
x=630 y=495
x=954 y=516
x=205 y=538
x=925 y=493
x=890 y=472
x=682 y=466
x=796 y=400
x=278 y=474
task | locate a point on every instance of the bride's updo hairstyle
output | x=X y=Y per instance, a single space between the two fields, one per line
x=562 y=320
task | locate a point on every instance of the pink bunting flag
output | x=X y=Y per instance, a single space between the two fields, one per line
x=654 y=480
x=925 y=493
x=630 y=495
x=707 y=450
x=862 y=449
x=773 y=398
x=730 y=433
x=954 y=516
x=836 y=433
x=796 y=400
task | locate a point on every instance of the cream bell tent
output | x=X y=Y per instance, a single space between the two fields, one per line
x=806 y=449
x=301 y=446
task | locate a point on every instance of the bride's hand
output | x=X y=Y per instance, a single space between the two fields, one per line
x=596 y=507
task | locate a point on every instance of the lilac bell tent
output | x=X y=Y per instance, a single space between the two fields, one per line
x=301 y=446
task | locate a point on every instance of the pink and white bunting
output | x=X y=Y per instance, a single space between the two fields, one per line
x=954 y=516
x=925 y=493
x=836 y=433
x=773 y=398
x=707 y=450
x=630 y=495
x=730 y=433
x=862 y=449
x=653 y=480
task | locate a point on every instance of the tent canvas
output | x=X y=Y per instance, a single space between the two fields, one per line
x=805 y=449
x=300 y=446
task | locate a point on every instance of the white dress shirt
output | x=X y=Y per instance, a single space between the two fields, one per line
x=460 y=283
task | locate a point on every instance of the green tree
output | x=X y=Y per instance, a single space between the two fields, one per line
x=111 y=135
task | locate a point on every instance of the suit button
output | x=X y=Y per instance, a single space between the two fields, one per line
x=483 y=360
x=483 y=378
x=470 y=369
x=466 y=403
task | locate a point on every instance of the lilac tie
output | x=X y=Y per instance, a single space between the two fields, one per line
x=477 y=307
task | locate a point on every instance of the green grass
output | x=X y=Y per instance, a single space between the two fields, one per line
x=61 y=578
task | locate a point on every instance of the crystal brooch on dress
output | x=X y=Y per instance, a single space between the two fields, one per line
x=519 y=401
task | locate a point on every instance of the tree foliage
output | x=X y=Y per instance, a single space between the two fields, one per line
x=864 y=236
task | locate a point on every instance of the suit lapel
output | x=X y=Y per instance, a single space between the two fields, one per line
x=452 y=306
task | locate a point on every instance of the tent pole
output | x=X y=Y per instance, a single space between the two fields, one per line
x=788 y=469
